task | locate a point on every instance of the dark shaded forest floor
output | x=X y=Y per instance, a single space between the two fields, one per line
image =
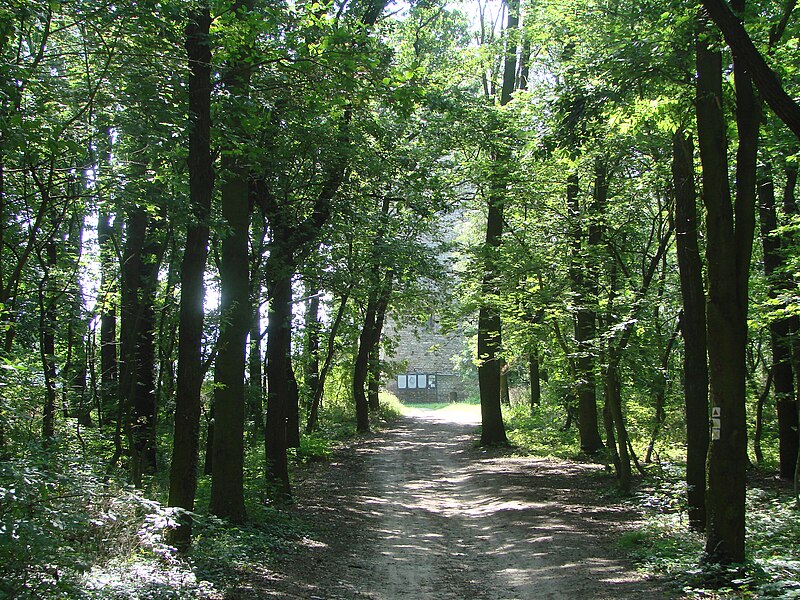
x=418 y=512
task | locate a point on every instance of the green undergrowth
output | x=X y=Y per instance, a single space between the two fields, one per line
x=664 y=545
x=69 y=531
x=541 y=433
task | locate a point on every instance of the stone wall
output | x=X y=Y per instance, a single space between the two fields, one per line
x=425 y=356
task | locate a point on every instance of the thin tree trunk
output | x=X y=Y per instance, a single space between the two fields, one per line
x=106 y=302
x=535 y=382
x=661 y=392
x=781 y=371
x=373 y=385
x=47 y=339
x=255 y=389
x=311 y=359
x=293 y=409
x=313 y=412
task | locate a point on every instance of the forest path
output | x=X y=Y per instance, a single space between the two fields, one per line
x=418 y=512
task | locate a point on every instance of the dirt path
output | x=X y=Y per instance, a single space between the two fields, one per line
x=418 y=512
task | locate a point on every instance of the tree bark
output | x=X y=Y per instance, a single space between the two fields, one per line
x=728 y=249
x=585 y=329
x=693 y=328
x=255 y=389
x=489 y=322
x=227 y=471
x=765 y=79
x=313 y=412
x=535 y=380
x=108 y=317
x=183 y=468
x=279 y=331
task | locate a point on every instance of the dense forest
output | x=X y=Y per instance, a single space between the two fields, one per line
x=210 y=211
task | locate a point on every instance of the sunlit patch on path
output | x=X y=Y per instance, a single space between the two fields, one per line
x=420 y=512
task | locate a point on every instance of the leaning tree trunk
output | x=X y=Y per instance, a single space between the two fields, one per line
x=693 y=328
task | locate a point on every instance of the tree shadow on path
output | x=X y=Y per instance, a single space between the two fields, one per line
x=419 y=512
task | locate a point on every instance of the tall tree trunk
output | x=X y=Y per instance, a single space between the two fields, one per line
x=108 y=316
x=489 y=341
x=373 y=384
x=137 y=355
x=782 y=376
x=535 y=377
x=255 y=389
x=183 y=469
x=728 y=249
x=585 y=329
x=693 y=328
x=145 y=401
x=369 y=333
x=489 y=322
x=47 y=337
x=361 y=365
x=311 y=358
x=293 y=409
x=227 y=472
x=106 y=239
x=279 y=330
x=313 y=412
x=76 y=366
